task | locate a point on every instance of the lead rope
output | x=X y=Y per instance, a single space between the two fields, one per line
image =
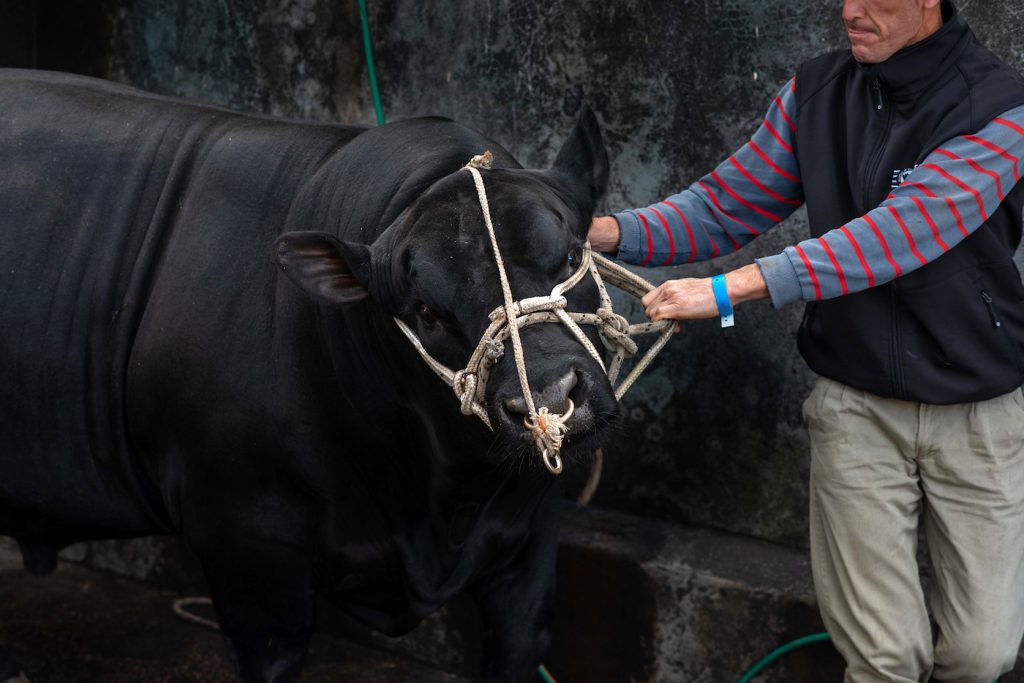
x=548 y=428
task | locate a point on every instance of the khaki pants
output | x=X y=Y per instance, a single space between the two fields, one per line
x=876 y=465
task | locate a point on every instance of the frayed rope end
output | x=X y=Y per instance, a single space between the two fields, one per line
x=482 y=160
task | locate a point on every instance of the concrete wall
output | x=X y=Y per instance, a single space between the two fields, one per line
x=714 y=435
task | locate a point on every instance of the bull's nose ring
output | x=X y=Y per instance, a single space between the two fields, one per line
x=553 y=463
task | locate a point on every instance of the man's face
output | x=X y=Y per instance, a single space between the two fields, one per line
x=878 y=28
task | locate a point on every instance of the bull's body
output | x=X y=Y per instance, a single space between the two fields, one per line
x=159 y=376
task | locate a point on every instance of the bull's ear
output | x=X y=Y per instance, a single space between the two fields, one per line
x=583 y=155
x=330 y=271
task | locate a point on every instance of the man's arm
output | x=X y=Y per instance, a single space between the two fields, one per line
x=950 y=195
x=750 y=192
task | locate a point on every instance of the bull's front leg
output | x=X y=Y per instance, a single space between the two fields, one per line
x=516 y=603
x=264 y=604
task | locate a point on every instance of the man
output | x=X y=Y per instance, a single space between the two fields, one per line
x=908 y=150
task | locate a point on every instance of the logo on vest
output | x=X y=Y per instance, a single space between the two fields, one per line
x=899 y=175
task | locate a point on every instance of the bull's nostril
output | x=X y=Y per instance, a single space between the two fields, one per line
x=554 y=397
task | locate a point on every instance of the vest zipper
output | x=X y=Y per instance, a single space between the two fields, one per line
x=895 y=350
x=987 y=298
x=876 y=155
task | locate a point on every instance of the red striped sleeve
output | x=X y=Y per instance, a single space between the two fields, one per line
x=771 y=164
x=935 y=230
x=714 y=245
x=782 y=110
x=956 y=214
x=923 y=188
x=906 y=233
x=775 y=134
x=1009 y=124
x=885 y=247
x=835 y=264
x=810 y=271
x=741 y=200
x=760 y=186
x=860 y=256
x=998 y=150
x=949 y=202
x=650 y=240
x=714 y=199
x=689 y=232
x=962 y=185
x=668 y=233
x=977 y=167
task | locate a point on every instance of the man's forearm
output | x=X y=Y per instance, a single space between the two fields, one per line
x=604 y=234
x=693 y=298
x=746 y=284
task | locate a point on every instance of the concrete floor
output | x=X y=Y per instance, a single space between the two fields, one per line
x=82 y=626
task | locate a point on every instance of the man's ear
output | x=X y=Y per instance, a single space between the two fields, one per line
x=583 y=155
x=330 y=271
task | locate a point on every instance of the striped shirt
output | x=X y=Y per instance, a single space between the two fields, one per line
x=931 y=209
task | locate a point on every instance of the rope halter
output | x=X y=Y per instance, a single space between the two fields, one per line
x=547 y=428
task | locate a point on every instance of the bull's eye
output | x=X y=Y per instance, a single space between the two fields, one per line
x=575 y=258
x=426 y=315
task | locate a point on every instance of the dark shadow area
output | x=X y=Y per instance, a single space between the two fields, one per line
x=58 y=35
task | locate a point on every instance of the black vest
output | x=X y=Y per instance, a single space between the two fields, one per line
x=953 y=330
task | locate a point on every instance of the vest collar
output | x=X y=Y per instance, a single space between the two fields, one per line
x=911 y=70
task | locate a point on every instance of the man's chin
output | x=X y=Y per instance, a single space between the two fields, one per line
x=865 y=55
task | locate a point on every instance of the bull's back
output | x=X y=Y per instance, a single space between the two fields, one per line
x=103 y=189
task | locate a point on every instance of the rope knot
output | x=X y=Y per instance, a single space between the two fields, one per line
x=482 y=160
x=495 y=350
x=615 y=331
x=464 y=383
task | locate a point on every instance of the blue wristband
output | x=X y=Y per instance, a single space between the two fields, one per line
x=722 y=299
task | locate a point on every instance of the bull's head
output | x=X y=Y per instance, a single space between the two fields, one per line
x=434 y=270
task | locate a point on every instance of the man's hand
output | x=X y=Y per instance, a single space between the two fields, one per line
x=693 y=298
x=604 y=234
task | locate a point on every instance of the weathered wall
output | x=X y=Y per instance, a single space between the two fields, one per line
x=713 y=434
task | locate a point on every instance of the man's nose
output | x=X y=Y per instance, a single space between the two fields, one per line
x=852 y=9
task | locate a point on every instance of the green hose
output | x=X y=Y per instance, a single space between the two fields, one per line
x=370 y=69
x=779 y=651
x=545 y=675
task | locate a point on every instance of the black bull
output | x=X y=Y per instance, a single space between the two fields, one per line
x=196 y=338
